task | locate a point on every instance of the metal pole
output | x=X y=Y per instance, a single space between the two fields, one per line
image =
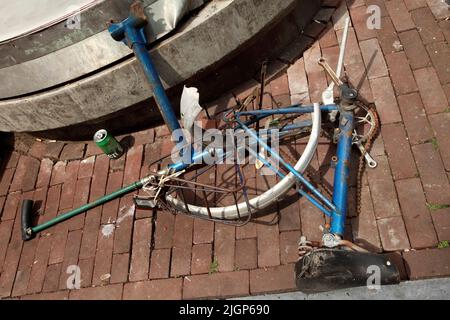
x=282 y=175
x=159 y=93
x=89 y=206
x=291 y=169
x=342 y=172
x=286 y=110
x=343 y=47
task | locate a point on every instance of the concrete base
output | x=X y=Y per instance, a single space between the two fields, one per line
x=117 y=97
x=432 y=289
x=242 y=65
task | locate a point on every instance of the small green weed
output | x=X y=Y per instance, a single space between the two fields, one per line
x=434 y=207
x=443 y=244
x=214 y=266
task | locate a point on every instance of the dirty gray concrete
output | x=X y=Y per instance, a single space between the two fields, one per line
x=430 y=289
x=201 y=43
x=83 y=57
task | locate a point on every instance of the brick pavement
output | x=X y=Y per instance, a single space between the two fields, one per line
x=128 y=253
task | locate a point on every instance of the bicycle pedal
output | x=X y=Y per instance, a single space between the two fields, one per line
x=145 y=203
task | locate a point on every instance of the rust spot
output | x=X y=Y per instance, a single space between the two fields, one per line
x=347 y=163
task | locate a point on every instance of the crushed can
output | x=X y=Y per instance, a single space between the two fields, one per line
x=108 y=144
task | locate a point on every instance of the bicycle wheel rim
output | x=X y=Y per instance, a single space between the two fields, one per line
x=270 y=196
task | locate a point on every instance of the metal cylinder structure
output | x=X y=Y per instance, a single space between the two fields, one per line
x=69 y=72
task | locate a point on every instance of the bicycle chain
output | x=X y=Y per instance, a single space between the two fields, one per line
x=369 y=108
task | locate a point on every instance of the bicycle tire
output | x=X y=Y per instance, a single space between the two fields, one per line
x=272 y=195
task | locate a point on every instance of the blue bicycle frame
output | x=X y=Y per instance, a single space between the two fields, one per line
x=336 y=208
x=131 y=31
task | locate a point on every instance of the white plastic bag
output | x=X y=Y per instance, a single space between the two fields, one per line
x=190 y=107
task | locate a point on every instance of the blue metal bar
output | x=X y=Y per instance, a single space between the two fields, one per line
x=198 y=156
x=342 y=171
x=131 y=32
x=298 y=125
x=299 y=177
x=267 y=113
x=291 y=109
x=159 y=93
x=195 y=159
x=300 y=191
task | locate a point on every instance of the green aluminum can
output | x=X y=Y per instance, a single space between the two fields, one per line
x=109 y=145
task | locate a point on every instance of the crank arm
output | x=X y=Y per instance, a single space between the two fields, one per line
x=369 y=160
x=324 y=64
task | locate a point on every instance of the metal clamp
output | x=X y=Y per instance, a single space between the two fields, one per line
x=145 y=202
x=331 y=240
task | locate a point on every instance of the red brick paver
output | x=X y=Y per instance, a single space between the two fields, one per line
x=222 y=284
x=427 y=263
x=398 y=150
x=160 y=264
x=224 y=246
x=113 y=292
x=393 y=234
x=201 y=258
x=140 y=257
x=169 y=289
x=414 y=49
x=419 y=224
x=399 y=15
x=129 y=253
x=275 y=279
